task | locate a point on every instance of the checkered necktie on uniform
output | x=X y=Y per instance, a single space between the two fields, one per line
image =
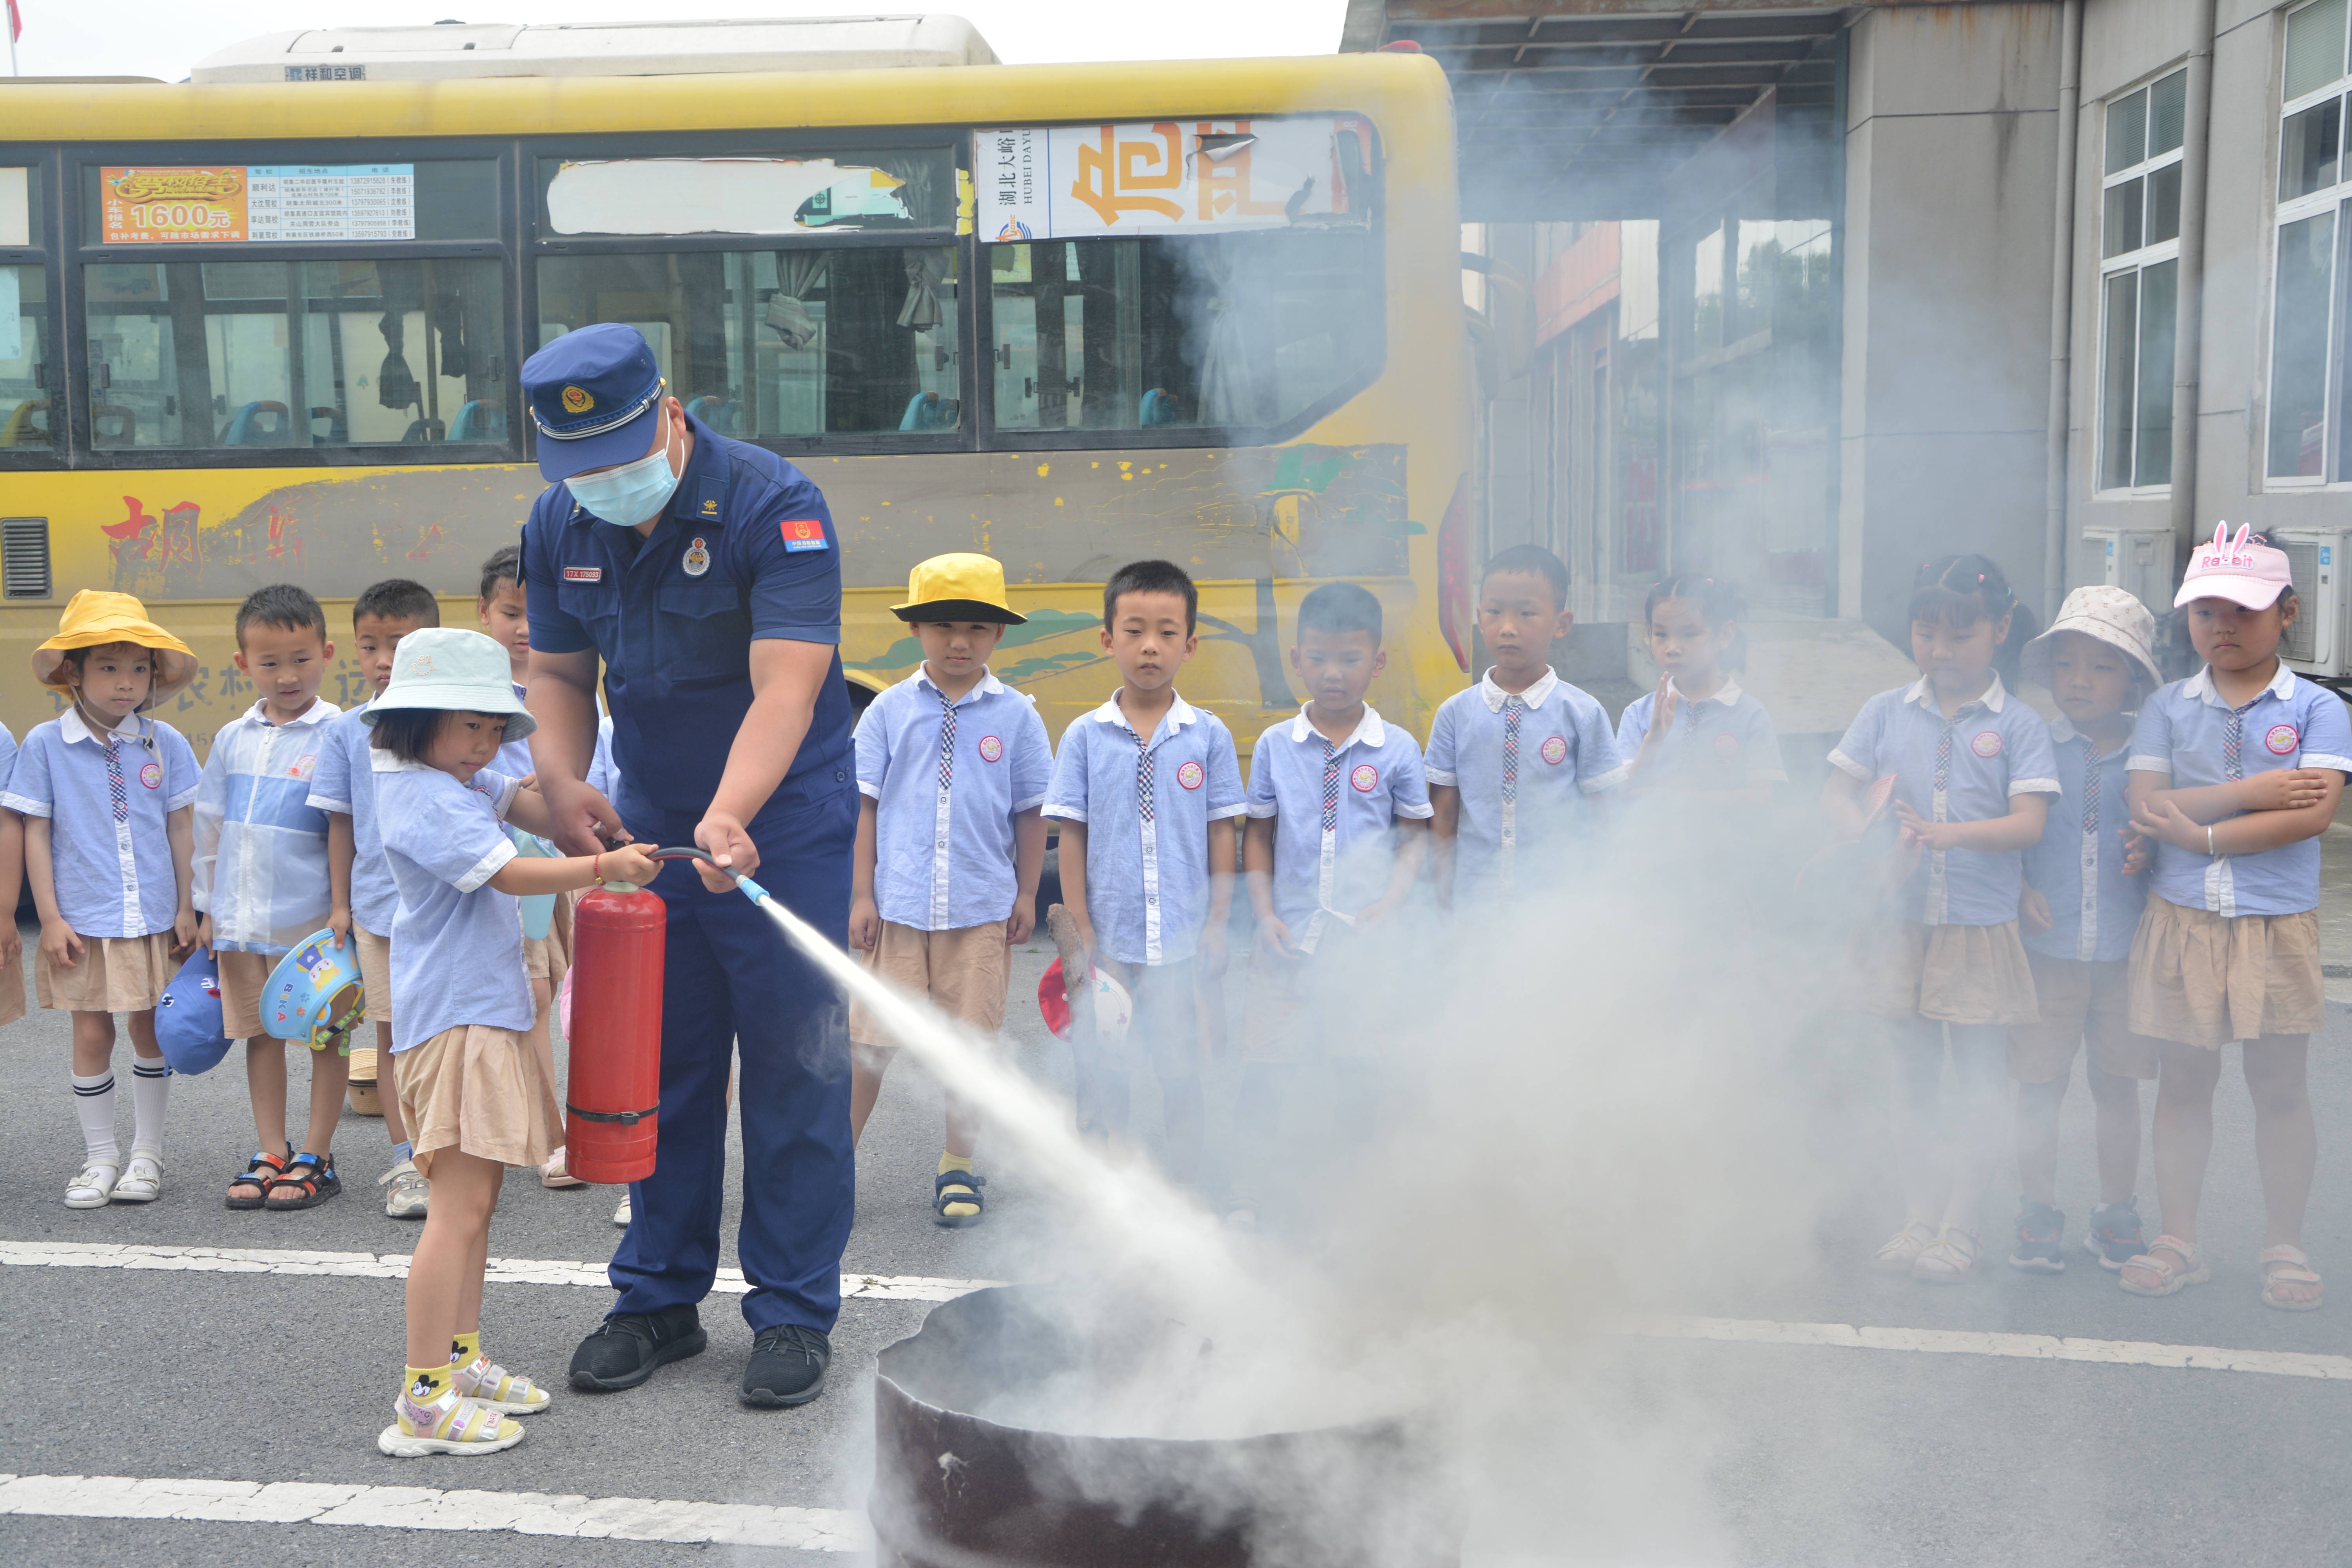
x=114 y=785
x=1513 y=710
x=1944 y=756
x=947 y=741
x=1143 y=777
x=1330 y=785
x=2233 y=737
x=2090 y=793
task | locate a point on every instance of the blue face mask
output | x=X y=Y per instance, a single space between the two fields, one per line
x=629 y=495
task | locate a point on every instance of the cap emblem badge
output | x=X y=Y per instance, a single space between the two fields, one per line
x=577 y=401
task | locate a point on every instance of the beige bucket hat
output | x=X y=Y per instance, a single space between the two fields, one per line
x=2114 y=616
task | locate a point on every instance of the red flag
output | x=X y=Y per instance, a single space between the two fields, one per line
x=16 y=23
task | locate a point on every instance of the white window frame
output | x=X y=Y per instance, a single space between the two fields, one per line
x=2336 y=199
x=2133 y=261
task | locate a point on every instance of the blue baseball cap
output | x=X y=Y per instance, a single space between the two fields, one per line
x=591 y=394
x=188 y=1018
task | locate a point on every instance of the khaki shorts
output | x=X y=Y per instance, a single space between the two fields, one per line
x=964 y=972
x=547 y=957
x=12 y=990
x=116 y=974
x=477 y=1090
x=1948 y=974
x=375 y=971
x=242 y=976
x=2079 y=1001
x=2203 y=979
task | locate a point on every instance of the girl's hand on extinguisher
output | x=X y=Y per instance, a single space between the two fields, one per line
x=865 y=925
x=628 y=864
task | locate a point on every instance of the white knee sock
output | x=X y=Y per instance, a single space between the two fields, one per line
x=94 y=1103
x=151 y=1090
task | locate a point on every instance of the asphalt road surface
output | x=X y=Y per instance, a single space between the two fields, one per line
x=176 y=1391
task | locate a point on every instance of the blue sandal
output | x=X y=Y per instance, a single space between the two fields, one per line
x=310 y=1181
x=958 y=1187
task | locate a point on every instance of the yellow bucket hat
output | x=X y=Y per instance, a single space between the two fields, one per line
x=94 y=619
x=958 y=587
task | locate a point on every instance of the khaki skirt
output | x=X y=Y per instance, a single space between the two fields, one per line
x=1948 y=974
x=2203 y=979
x=476 y=1088
x=116 y=974
x=12 y=990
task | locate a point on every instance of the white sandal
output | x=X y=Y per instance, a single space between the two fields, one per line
x=2167 y=1279
x=94 y=1188
x=2298 y=1271
x=143 y=1180
x=1902 y=1249
x=1950 y=1258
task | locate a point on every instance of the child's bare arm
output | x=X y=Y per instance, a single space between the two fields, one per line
x=2279 y=789
x=12 y=884
x=1445 y=826
x=1223 y=849
x=1411 y=848
x=2020 y=830
x=2159 y=814
x=180 y=831
x=1028 y=867
x=1072 y=862
x=527 y=874
x=341 y=848
x=865 y=918
x=1257 y=865
x=59 y=943
x=527 y=810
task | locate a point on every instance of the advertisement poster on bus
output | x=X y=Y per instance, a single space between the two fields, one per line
x=282 y=202
x=1192 y=176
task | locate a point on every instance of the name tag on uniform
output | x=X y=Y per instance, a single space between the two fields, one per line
x=804 y=533
x=583 y=574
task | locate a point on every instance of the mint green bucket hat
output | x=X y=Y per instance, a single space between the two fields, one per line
x=451 y=669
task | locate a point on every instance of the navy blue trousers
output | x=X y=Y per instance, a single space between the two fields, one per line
x=732 y=982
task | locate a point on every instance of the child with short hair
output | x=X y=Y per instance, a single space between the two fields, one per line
x=365 y=899
x=104 y=793
x=1339 y=818
x=1698 y=733
x=262 y=882
x=12 y=888
x=2235 y=773
x=1514 y=761
x=468 y=1082
x=1974 y=771
x=952 y=767
x=1147 y=788
x=2079 y=909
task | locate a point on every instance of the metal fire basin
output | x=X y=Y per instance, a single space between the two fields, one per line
x=953 y=1489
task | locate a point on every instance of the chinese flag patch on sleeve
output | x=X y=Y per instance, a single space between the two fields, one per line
x=804 y=533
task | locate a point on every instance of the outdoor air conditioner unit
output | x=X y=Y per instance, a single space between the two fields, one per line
x=2319 y=644
x=2138 y=557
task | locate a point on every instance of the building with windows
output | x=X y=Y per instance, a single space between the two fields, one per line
x=1806 y=297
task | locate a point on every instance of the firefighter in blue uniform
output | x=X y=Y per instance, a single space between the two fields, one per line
x=704 y=574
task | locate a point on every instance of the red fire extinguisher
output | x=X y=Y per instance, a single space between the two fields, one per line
x=615 y=1093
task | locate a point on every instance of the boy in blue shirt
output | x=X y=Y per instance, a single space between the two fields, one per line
x=953 y=767
x=1147 y=788
x=1513 y=760
x=262 y=881
x=365 y=898
x=1338 y=826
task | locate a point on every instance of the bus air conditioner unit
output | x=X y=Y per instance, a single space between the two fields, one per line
x=2319 y=644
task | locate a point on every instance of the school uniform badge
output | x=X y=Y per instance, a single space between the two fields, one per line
x=152 y=775
x=2282 y=739
x=1555 y=751
x=1366 y=778
x=990 y=748
x=1986 y=743
x=696 y=560
x=1726 y=746
x=1191 y=776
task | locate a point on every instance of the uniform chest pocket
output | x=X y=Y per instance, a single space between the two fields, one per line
x=597 y=606
x=702 y=630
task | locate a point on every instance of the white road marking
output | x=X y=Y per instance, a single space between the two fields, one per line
x=2031 y=1347
x=395 y=1266
x=429 y=1508
x=915 y=1287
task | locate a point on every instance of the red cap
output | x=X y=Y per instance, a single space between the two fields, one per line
x=1053 y=1001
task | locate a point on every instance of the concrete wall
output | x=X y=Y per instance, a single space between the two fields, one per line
x=1951 y=190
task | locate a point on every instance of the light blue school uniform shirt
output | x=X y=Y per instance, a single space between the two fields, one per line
x=262 y=845
x=1335 y=810
x=1723 y=742
x=111 y=868
x=1147 y=854
x=2194 y=738
x=2078 y=865
x=7 y=756
x=1961 y=769
x=514 y=756
x=943 y=816
x=1566 y=752
x=346 y=783
x=603 y=774
x=456 y=944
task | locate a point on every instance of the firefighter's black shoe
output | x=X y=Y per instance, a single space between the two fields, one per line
x=628 y=1346
x=787 y=1367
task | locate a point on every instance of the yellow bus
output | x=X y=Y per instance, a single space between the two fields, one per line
x=265 y=327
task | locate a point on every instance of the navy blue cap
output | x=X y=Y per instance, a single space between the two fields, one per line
x=591 y=393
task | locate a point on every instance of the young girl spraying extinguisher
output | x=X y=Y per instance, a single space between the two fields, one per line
x=471 y=1087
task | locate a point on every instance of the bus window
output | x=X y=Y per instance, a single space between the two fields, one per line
x=201 y=353
x=1234 y=330
x=781 y=343
x=239 y=202
x=835 y=192
x=25 y=419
